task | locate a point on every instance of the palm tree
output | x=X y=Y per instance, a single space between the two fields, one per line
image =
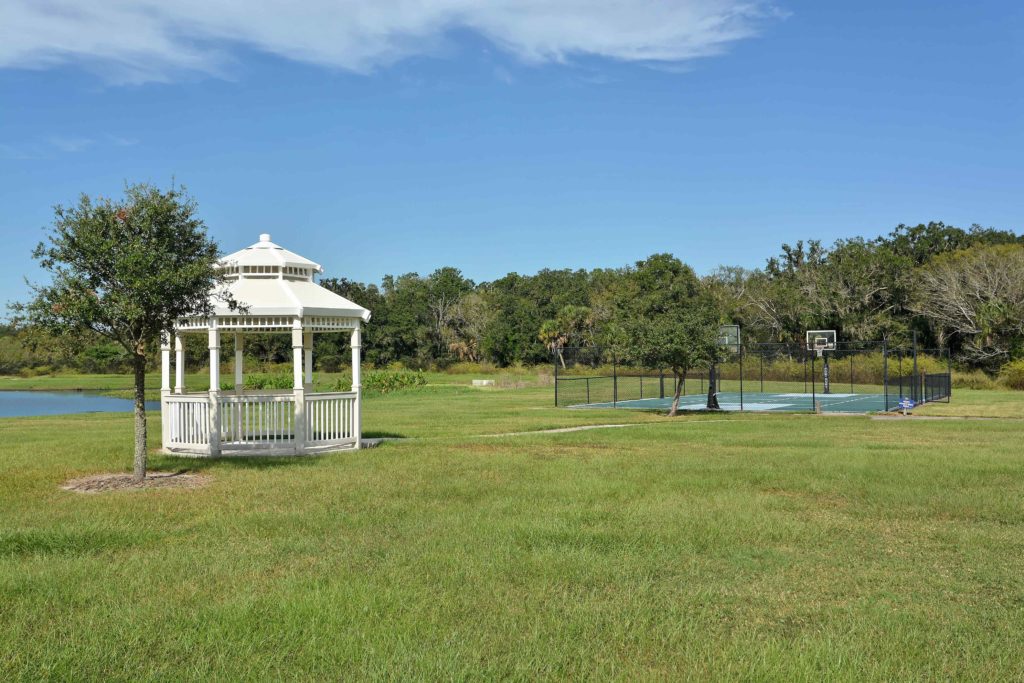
x=554 y=339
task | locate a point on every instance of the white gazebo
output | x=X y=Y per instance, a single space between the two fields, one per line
x=276 y=290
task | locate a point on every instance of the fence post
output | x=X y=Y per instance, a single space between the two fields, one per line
x=760 y=360
x=949 y=376
x=588 y=391
x=661 y=383
x=814 y=396
x=917 y=380
x=899 y=358
x=851 y=373
x=615 y=381
x=741 y=379
x=555 y=361
x=885 y=373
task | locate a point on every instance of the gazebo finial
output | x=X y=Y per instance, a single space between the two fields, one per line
x=264 y=237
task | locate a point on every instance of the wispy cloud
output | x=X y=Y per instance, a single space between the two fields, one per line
x=121 y=141
x=70 y=144
x=134 y=41
x=55 y=145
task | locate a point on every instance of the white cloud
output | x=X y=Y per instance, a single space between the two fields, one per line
x=132 y=41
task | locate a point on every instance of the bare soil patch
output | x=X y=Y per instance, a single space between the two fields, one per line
x=100 y=483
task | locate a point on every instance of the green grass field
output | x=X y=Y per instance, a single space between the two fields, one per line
x=741 y=546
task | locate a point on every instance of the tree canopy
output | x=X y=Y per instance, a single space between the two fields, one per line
x=866 y=289
x=124 y=270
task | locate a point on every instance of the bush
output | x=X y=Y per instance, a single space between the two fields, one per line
x=973 y=379
x=470 y=368
x=272 y=380
x=1012 y=374
x=383 y=381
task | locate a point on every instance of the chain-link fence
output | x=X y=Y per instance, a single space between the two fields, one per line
x=854 y=377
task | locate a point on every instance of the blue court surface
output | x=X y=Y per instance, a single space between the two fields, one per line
x=761 y=402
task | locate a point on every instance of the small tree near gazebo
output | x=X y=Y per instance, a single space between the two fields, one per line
x=126 y=270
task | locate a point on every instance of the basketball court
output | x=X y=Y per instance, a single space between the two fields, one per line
x=762 y=402
x=821 y=375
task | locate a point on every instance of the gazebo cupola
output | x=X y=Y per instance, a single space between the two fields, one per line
x=276 y=291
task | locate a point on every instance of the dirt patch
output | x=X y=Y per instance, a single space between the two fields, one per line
x=99 y=483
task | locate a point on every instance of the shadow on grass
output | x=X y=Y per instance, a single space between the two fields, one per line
x=380 y=434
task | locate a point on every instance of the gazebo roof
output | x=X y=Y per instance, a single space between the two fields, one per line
x=272 y=281
x=266 y=253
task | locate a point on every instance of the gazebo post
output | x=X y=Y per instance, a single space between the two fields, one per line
x=307 y=346
x=214 y=387
x=179 y=364
x=357 y=385
x=165 y=385
x=300 y=393
x=239 y=348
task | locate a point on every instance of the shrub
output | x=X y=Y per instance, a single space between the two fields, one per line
x=269 y=380
x=1012 y=374
x=383 y=381
x=470 y=368
x=972 y=379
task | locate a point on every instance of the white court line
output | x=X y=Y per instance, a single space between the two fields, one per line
x=861 y=397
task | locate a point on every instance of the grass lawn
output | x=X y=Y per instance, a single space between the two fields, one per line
x=741 y=546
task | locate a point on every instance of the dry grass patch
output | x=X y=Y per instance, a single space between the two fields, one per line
x=101 y=483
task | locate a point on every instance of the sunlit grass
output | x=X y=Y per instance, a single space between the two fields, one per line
x=766 y=547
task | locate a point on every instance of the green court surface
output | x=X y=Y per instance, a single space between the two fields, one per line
x=761 y=401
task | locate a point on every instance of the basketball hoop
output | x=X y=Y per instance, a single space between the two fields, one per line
x=820 y=341
x=820 y=346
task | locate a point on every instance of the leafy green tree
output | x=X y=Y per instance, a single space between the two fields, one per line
x=923 y=242
x=125 y=270
x=670 y=320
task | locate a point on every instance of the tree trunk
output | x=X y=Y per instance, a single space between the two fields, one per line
x=713 y=389
x=561 y=358
x=139 y=365
x=674 y=410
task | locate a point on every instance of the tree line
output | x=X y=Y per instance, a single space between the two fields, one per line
x=960 y=289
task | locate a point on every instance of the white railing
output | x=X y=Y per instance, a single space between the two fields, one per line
x=263 y=422
x=187 y=421
x=257 y=421
x=330 y=418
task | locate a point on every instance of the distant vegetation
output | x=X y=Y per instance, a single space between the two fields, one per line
x=961 y=289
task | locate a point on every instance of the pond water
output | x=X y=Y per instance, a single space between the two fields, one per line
x=31 y=403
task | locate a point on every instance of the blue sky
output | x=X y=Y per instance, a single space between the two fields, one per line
x=514 y=136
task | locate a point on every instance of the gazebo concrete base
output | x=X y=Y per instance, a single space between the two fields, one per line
x=260 y=452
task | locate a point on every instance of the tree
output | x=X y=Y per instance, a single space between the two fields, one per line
x=554 y=339
x=125 y=270
x=670 y=319
x=464 y=330
x=975 y=299
x=445 y=288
